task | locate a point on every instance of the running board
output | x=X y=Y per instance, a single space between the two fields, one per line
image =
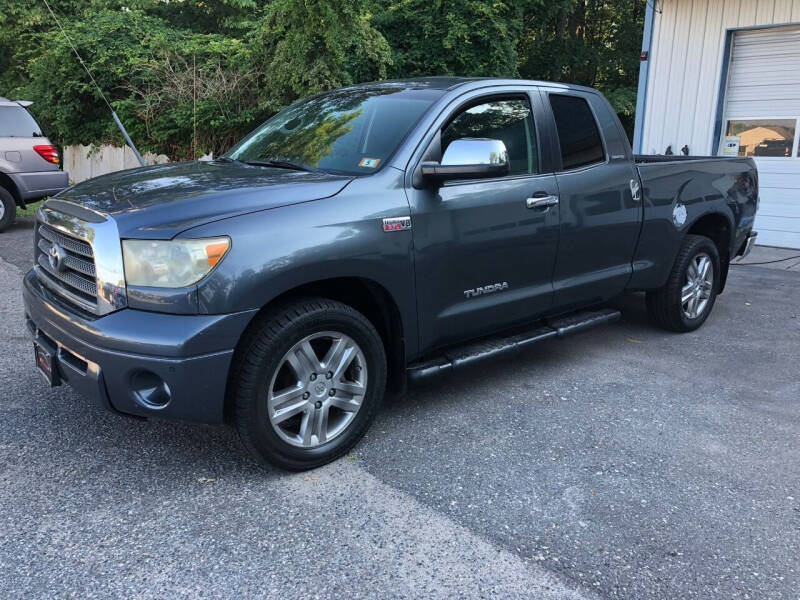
x=465 y=356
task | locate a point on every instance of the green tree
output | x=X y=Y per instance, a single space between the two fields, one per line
x=192 y=76
x=114 y=44
x=590 y=42
x=226 y=17
x=27 y=28
x=310 y=46
x=196 y=95
x=451 y=37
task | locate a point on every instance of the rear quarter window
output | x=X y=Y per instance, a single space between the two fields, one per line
x=578 y=134
x=15 y=121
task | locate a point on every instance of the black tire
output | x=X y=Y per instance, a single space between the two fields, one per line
x=665 y=305
x=261 y=357
x=9 y=210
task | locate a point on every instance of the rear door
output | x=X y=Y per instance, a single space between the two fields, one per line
x=599 y=218
x=483 y=259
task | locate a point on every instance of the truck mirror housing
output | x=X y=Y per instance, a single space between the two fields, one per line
x=468 y=158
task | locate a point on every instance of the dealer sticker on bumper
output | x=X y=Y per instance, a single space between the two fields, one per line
x=46 y=364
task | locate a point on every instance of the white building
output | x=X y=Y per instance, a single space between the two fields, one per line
x=726 y=73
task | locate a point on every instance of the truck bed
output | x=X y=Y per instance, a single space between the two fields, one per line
x=680 y=190
x=662 y=158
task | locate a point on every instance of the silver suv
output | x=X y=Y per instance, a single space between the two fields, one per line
x=29 y=163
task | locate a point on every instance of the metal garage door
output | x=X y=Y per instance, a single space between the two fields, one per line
x=762 y=115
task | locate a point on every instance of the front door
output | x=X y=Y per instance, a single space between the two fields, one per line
x=483 y=258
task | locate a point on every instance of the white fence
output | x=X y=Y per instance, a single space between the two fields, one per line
x=85 y=162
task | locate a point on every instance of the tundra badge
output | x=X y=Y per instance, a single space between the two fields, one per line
x=486 y=289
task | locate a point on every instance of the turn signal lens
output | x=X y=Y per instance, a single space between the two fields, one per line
x=47 y=152
x=216 y=251
x=171 y=263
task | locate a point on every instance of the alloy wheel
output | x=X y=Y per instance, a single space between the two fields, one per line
x=317 y=389
x=698 y=286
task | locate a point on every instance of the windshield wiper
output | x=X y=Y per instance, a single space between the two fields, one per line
x=281 y=164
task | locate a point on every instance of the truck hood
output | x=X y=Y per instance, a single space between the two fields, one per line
x=159 y=202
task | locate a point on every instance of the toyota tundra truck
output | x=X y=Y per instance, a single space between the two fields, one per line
x=364 y=239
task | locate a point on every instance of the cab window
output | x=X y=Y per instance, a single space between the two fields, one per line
x=578 y=135
x=509 y=121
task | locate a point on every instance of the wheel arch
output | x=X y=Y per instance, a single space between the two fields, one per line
x=718 y=227
x=8 y=184
x=365 y=295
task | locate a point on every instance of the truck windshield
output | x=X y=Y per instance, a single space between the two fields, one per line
x=15 y=121
x=352 y=132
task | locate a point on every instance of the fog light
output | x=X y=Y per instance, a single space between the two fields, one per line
x=150 y=390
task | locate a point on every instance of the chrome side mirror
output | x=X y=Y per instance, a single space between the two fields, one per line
x=469 y=158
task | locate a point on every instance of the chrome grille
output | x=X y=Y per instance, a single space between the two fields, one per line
x=75 y=280
x=73 y=262
x=78 y=256
x=68 y=243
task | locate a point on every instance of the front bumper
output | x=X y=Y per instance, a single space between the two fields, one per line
x=115 y=359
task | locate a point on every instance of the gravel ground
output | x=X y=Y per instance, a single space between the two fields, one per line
x=622 y=463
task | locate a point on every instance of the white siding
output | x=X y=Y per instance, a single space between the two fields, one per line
x=764 y=82
x=686 y=62
x=686 y=58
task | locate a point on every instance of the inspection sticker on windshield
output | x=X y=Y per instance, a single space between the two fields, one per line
x=370 y=163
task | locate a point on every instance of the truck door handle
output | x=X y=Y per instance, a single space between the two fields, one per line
x=541 y=202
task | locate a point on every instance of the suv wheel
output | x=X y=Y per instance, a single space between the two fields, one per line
x=685 y=302
x=8 y=209
x=308 y=383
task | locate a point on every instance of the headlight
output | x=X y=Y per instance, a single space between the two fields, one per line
x=171 y=263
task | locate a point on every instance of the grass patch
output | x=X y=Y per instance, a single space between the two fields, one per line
x=30 y=211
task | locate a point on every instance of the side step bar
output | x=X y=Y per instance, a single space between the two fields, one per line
x=462 y=357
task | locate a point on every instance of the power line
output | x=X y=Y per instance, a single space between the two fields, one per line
x=99 y=89
x=75 y=50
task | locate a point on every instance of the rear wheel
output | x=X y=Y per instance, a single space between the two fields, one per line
x=8 y=209
x=686 y=300
x=308 y=383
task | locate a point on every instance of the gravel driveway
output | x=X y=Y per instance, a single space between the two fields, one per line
x=623 y=463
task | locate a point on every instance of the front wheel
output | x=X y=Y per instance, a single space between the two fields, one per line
x=308 y=383
x=686 y=300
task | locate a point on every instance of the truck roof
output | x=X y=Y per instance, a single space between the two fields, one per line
x=447 y=83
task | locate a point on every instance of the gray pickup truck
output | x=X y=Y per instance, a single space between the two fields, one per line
x=365 y=238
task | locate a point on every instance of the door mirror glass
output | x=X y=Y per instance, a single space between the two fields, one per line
x=469 y=158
